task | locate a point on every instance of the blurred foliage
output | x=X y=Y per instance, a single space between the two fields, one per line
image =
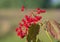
x=26 y=3
x=38 y=40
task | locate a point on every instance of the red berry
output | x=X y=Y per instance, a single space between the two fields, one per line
x=38 y=17
x=26 y=25
x=24 y=21
x=21 y=24
x=43 y=11
x=22 y=8
x=17 y=29
x=38 y=9
x=38 y=12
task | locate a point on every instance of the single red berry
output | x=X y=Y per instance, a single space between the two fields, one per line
x=22 y=34
x=43 y=11
x=26 y=25
x=19 y=33
x=38 y=17
x=22 y=8
x=38 y=9
x=20 y=24
x=27 y=17
x=24 y=21
x=17 y=29
x=38 y=12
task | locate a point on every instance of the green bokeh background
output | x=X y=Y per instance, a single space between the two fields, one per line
x=27 y=3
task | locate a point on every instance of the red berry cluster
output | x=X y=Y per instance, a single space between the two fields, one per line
x=22 y=30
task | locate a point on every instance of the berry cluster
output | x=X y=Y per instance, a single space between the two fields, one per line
x=27 y=21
